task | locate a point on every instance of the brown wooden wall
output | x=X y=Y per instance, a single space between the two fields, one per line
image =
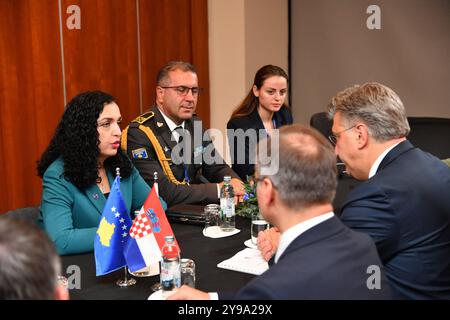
x=103 y=55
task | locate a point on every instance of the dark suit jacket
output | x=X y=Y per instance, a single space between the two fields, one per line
x=243 y=157
x=196 y=192
x=328 y=261
x=405 y=208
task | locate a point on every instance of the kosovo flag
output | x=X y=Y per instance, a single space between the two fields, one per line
x=112 y=233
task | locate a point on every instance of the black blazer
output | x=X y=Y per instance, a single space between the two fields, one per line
x=328 y=261
x=405 y=208
x=242 y=152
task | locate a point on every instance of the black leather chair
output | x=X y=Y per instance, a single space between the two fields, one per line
x=321 y=123
x=431 y=135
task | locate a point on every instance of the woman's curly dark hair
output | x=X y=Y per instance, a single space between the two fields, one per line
x=76 y=140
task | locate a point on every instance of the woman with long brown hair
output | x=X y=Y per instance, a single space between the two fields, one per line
x=262 y=110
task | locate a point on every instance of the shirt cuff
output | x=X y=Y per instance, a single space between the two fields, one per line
x=213 y=296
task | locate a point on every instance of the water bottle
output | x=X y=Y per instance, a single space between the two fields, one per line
x=227 y=213
x=170 y=276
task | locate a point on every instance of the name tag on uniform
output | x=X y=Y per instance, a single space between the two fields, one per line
x=140 y=153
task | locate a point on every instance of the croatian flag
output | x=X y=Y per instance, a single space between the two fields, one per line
x=147 y=234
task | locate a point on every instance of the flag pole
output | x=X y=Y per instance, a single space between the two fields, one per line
x=156 y=286
x=125 y=282
x=155 y=182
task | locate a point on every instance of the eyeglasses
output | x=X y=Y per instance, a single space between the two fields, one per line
x=334 y=137
x=183 y=90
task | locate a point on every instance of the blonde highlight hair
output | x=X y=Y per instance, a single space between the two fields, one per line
x=375 y=104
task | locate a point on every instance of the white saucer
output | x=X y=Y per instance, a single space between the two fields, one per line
x=249 y=244
x=216 y=232
x=157 y=295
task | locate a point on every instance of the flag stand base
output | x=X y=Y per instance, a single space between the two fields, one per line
x=126 y=282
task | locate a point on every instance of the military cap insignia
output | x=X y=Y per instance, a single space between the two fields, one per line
x=140 y=153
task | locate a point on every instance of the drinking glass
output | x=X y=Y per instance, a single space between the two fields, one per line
x=188 y=272
x=258 y=224
x=211 y=213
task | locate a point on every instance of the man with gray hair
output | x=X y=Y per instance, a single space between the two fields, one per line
x=29 y=263
x=318 y=256
x=405 y=203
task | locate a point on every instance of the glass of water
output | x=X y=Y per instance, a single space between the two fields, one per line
x=211 y=214
x=188 y=272
x=258 y=224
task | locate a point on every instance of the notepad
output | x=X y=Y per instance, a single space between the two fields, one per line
x=247 y=261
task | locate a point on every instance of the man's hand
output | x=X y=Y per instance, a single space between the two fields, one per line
x=187 y=293
x=268 y=241
x=238 y=187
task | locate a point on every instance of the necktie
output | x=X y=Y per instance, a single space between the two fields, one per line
x=180 y=132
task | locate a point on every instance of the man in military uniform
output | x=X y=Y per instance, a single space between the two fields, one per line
x=152 y=142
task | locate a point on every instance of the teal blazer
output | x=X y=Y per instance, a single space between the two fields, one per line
x=70 y=216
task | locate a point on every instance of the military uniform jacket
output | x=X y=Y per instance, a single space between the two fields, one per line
x=195 y=162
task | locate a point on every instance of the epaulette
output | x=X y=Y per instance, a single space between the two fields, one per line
x=144 y=117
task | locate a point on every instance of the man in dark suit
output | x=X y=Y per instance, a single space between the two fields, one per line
x=189 y=170
x=404 y=204
x=318 y=256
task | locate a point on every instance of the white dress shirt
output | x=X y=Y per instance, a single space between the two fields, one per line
x=376 y=164
x=172 y=125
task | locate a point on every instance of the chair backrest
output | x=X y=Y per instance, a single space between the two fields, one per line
x=30 y=214
x=431 y=135
x=321 y=123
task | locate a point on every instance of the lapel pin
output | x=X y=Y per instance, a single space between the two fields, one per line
x=159 y=124
x=166 y=148
x=95 y=196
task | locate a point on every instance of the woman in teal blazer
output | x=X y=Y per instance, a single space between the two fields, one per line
x=78 y=168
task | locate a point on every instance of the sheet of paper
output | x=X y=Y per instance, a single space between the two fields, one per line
x=247 y=261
